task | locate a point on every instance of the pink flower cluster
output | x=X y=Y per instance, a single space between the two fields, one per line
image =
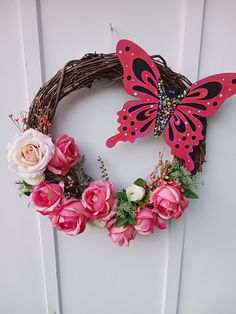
x=167 y=201
x=98 y=201
x=72 y=215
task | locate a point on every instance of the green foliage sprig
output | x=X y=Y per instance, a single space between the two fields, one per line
x=24 y=188
x=174 y=172
x=76 y=181
x=183 y=176
x=125 y=210
x=104 y=171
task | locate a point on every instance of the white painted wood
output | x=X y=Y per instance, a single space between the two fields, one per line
x=33 y=74
x=208 y=278
x=190 y=48
x=189 y=54
x=173 y=266
x=197 y=253
x=21 y=273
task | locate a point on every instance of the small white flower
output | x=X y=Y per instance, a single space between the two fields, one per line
x=36 y=180
x=29 y=154
x=135 y=193
x=98 y=223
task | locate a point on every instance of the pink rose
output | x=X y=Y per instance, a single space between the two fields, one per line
x=168 y=200
x=66 y=155
x=122 y=235
x=160 y=223
x=99 y=198
x=70 y=218
x=46 y=197
x=145 y=221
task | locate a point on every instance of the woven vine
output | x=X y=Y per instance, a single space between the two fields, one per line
x=77 y=74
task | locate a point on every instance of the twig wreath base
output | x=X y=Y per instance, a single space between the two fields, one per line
x=53 y=174
x=77 y=74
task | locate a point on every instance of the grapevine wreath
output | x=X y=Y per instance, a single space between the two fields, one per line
x=52 y=171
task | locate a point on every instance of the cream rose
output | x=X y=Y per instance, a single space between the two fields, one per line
x=135 y=193
x=29 y=154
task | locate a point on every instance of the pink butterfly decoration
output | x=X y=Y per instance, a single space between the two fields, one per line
x=181 y=121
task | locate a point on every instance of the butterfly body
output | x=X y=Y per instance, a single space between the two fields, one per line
x=161 y=108
x=168 y=102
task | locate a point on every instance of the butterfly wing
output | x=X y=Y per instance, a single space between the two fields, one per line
x=137 y=117
x=185 y=129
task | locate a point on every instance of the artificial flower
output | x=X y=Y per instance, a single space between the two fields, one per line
x=66 y=155
x=29 y=154
x=168 y=200
x=145 y=221
x=70 y=217
x=135 y=193
x=47 y=196
x=36 y=180
x=99 y=198
x=105 y=221
x=122 y=235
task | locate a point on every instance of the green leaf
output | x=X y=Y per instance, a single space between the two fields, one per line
x=140 y=182
x=122 y=196
x=24 y=188
x=190 y=194
x=27 y=193
x=131 y=221
x=120 y=221
x=27 y=185
x=104 y=171
x=145 y=200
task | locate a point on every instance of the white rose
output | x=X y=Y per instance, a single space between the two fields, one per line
x=29 y=154
x=135 y=193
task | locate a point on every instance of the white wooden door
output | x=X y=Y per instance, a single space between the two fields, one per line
x=189 y=268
